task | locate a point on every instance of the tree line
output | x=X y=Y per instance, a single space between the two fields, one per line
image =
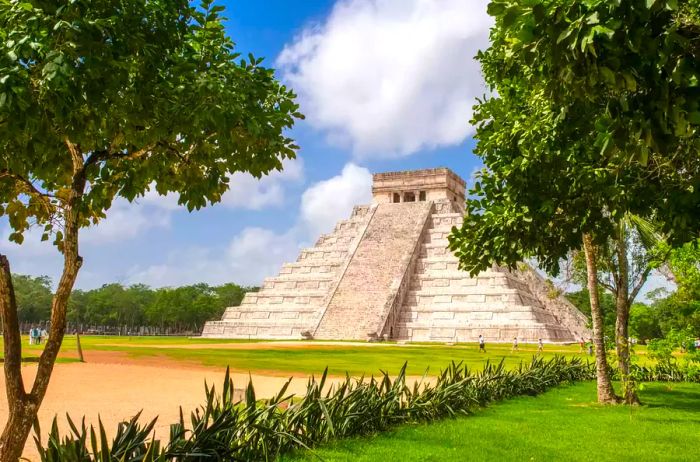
x=178 y=309
x=665 y=311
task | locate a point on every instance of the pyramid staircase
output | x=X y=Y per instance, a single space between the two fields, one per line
x=386 y=272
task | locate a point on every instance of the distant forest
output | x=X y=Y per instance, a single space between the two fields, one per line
x=130 y=308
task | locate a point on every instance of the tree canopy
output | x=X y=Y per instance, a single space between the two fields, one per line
x=593 y=114
x=102 y=100
x=131 y=95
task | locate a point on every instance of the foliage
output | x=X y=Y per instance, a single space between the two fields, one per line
x=103 y=101
x=181 y=308
x=33 y=297
x=570 y=137
x=668 y=372
x=581 y=300
x=561 y=424
x=662 y=349
x=644 y=323
x=143 y=95
x=226 y=429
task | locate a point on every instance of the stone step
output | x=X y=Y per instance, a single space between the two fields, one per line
x=299 y=281
x=468 y=317
x=339 y=242
x=446 y=220
x=312 y=267
x=275 y=297
x=320 y=253
x=350 y=224
x=281 y=316
x=214 y=329
x=437 y=263
x=360 y=211
x=470 y=307
x=458 y=274
x=375 y=272
x=235 y=312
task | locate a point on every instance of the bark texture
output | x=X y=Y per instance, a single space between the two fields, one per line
x=622 y=306
x=23 y=406
x=606 y=394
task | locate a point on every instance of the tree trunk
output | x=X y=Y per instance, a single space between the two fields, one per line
x=80 y=348
x=622 y=307
x=21 y=413
x=23 y=406
x=606 y=394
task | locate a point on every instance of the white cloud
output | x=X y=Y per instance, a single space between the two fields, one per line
x=252 y=193
x=127 y=220
x=251 y=256
x=327 y=202
x=390 y=77
x=256 y=253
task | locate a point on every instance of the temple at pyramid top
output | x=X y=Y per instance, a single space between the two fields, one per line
x=386 y=273
x=437 y=184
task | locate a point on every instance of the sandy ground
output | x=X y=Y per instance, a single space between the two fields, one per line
x=116 y=388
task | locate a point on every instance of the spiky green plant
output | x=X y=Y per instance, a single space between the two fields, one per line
x=224 y=428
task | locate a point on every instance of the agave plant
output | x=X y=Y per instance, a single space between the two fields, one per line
x=224 y=428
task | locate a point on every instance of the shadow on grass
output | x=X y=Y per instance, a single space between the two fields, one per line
x=672 y=398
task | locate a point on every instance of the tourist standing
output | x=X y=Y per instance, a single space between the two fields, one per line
x=590 y=347
x=581 y=345
x=31 y=336
x=482 y=344
x=515 y=344
x=540 y=345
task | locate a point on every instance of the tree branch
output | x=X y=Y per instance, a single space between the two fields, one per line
x=607 y=285
x=638 y=286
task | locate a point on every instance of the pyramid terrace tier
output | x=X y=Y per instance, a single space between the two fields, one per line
x=387 y=272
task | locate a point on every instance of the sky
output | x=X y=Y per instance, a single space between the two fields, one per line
x=385 y=85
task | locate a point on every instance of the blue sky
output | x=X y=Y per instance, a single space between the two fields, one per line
x=385 y=85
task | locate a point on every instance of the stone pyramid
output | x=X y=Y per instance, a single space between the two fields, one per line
x=386 y=273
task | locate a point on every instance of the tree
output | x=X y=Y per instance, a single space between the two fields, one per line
x=644 y=323
x=106 y=100
x=574 y=137
x=624 y=264
x=33 y=298
x=581 y=300
x=681 y=309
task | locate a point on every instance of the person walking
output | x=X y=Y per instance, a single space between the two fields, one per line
x=31 y=336
x=540 y=345
x=482 y=344
x=515 y=345
x=581 y=345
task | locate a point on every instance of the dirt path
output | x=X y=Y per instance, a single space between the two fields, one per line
x=115 y=387
x=116 y=392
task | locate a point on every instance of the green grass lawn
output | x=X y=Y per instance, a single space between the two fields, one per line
x=313 y=357
x=561 y=425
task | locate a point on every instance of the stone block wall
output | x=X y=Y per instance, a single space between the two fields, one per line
x=386 y=271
